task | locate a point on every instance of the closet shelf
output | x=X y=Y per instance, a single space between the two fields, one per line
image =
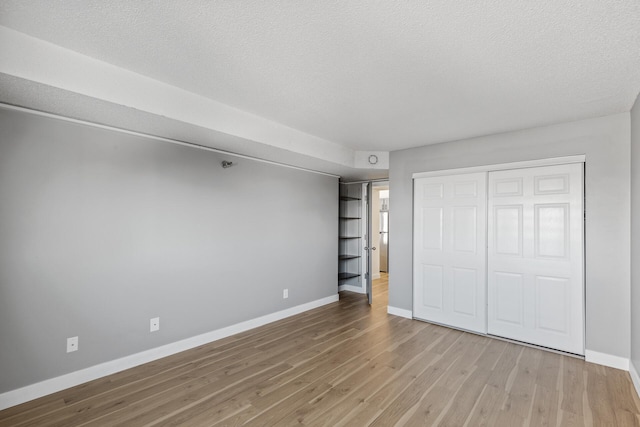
x=350 y=216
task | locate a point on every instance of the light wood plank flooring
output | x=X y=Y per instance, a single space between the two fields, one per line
x=347 y=364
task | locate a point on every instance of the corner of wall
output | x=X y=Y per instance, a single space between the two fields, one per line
x=634 y=377
x=635 y=243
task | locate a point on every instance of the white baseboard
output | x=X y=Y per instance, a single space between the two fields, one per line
x=351 y=288
x=375 y=276
x=606 y=359
x=34 y=391
x=634 y=377
x=400 y=312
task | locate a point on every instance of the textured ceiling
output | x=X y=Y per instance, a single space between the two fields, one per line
x=370 y=75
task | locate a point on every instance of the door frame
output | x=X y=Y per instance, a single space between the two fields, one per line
x=369 y=244
x=580 y=158
x=375 y=233
x=367 y=190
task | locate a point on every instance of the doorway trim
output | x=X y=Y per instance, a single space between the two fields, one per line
x=580 y=158
x=376 y=187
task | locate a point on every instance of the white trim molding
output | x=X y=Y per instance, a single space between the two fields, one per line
x=401 y=312
x=580 y=158
x=606 y=360
x=634 y=377
x=43 y=388
x=351 y=288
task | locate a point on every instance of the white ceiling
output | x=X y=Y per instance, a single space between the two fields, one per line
x=364 y=75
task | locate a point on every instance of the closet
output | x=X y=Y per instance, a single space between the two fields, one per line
x=500 y=252
x=350 y=269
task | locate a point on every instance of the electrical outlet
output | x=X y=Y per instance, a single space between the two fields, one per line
x=72 y=344
x=154 y=324
x=285 y=293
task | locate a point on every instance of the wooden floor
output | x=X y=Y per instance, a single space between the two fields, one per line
x=348 y=364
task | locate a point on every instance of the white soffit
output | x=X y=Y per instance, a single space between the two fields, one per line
x=42 y=62
x=331 y=78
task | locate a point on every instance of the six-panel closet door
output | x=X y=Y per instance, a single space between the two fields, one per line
x=450 y=250
x=535 y=256
x=502 y=253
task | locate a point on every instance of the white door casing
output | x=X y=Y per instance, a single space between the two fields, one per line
x=368 y=241
x=450 y=250
x=535 y=256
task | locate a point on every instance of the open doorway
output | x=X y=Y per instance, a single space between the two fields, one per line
x=380 y=238
x=380 y=229
x=364 y=237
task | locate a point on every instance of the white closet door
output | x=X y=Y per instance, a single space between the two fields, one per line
x=535 y=260
x=449 y=250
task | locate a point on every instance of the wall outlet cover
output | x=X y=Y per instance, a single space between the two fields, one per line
x=72 y=344
x=154 y=324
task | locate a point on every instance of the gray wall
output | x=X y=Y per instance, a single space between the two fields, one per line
x=100 y=231
x=635 y=235
x=605 y=142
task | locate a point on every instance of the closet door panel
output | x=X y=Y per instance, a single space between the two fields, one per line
x=450 y=250
x=535 y=256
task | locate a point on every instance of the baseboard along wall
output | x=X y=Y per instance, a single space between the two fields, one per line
x=606 y=360
x=400 y=312
x=72 y=379
x=351 y=288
